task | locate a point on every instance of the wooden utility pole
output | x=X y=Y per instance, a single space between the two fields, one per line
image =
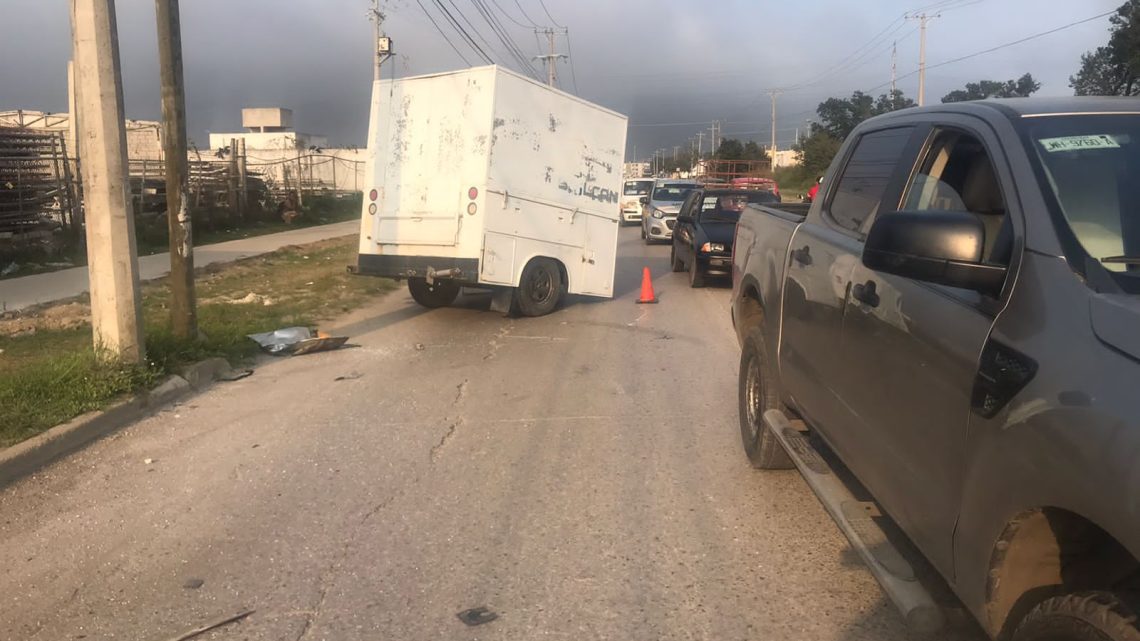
x=183 y=308
x=112 y=257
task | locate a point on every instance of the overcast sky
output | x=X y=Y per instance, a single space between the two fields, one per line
x=658 y=61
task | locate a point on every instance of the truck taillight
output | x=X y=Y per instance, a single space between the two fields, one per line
x=473 y=193
x=373 y=195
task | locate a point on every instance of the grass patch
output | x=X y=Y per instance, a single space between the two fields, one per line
x=48 y=373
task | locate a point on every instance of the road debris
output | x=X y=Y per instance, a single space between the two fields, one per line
x=477 y=616
x=212 y=626
x=419 y=347
x=10 y=269
x=296 y=341
x=193 y=584
x=252 y=298
x=235 y=375
x=352 y=376
x=148 y=461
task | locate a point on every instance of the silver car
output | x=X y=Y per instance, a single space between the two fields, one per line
x=661 y=209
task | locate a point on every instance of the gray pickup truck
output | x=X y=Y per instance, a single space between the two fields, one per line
x=955 y=322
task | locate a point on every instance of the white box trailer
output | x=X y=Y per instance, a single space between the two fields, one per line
x=483 y=177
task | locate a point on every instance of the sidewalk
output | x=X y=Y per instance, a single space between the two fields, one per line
x=18 y=293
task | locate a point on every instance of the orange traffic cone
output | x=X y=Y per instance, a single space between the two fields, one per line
x=647 y=295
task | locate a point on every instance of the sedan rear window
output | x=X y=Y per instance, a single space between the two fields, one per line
x=672 y=193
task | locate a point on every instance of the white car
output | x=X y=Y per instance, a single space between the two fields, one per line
x=631 y=194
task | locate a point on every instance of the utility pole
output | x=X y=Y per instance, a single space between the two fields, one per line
x=700 y=139
x=894 y=65
x=922 y=20
x=377 y=19
x=675 y=148
x=112 y=257
x=551 y=58
x=772 y=159
x=183 y=310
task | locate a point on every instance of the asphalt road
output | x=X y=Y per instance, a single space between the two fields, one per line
x=580 y=475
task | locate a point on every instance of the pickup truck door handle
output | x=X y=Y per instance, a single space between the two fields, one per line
x=865 y=293
x=802 y=256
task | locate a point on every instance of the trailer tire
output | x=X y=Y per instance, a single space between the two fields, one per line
x=1087 y=616
x=439 y=294
x=757 y=394
x=540 y=288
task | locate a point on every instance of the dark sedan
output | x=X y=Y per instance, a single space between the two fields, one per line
x=702 y=239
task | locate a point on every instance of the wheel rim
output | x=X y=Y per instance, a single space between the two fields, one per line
x=754 y=395
x=541 y=286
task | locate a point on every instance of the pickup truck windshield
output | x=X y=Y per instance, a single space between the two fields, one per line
x=671 y=193
x=1091 y=163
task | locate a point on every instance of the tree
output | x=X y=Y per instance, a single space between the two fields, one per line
x=817 y=150
x=1114 y=69
x=839 y=116
x=753 y=151
x=1020 y=88
x=730 y=149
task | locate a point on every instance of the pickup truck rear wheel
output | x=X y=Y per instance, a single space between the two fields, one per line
x=540 y=287
x=757 y=395
x=439 y=294
x=1085 y=616
x=678 y=264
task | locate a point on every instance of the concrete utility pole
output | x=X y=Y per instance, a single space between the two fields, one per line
x=551 y=58
x=675 y=148
x=773 y=94
x=922 y=20
x=183 y=308
x=700 y=140
x=377 y=19
x=112 y=258
x=894 y=65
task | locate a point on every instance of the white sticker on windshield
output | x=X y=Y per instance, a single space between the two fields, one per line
x=1077 y=143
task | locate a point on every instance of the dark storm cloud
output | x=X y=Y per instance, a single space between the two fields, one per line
x=659 y=61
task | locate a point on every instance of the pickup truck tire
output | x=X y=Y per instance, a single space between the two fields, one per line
x=758 y=393
x=439 y=294
x=677 y=264
x=540 y=287
x=696 y=276
x=1085 y=616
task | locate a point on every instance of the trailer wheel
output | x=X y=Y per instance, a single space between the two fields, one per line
x=757 y=395
x=440 y=294
x=540 y=287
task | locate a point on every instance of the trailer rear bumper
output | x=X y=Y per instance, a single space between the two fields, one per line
x=461 y=269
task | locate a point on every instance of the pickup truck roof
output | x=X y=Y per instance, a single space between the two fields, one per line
x=1016 y=108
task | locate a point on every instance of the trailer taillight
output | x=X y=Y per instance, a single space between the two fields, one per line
x=472 y=208
x=373 y=195
x=473 y=193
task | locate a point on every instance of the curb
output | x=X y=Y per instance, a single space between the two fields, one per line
x=28 y=457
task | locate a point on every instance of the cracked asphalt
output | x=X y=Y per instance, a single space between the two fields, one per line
x=580 y=475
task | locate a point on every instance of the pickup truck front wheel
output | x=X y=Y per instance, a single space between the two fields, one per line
x=1086 y=616
x=677 y=264
x=757 y=395
x=441 y=293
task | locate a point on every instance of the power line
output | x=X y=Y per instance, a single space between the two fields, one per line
x=463 y=32
x=501 y=33
x=573 y=74
x=1003 y=46
x=437 y=28
x=512 y=18
x=552 y=20
x=526 y=15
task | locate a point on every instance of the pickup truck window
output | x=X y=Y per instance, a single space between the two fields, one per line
x=956 y=174
x=1091 y=163
x=865 y=177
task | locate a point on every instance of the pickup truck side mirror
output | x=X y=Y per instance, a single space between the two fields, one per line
x=684 y=220
x=644 y=200
x=943 y=247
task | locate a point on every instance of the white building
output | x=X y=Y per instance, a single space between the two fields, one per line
x=268 y=128
x=786 y=158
